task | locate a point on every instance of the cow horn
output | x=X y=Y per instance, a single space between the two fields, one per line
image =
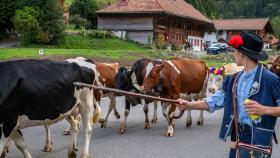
x=180 y=115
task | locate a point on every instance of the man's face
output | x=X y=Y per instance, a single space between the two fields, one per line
x=238 y=57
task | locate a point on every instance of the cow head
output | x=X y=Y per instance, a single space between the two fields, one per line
x=215 y=81
x=275 y=66
x=123 y=78
x=152 y=79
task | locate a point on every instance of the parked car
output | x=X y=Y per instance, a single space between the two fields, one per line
x=217 y=48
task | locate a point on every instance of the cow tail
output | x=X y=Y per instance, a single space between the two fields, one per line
x=97 y=111
x=1 y=131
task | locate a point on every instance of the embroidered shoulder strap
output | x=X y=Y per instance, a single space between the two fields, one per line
x=234 y=96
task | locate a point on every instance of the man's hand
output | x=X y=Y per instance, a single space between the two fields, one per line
x=183 y=104
x=255 y=108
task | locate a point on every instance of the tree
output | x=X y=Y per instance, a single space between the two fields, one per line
x=26 y=23
x=204 y=6
x=85 y=9
x=8 y=9
x=276 y=26
x=51 y=22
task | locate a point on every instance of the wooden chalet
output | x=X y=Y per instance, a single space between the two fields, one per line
x=159 y=21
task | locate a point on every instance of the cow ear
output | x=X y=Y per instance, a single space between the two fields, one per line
x=161 y=66
x=269 y=65
x=131 y=71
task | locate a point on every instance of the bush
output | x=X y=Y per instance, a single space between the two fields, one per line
x=26 y=24
x=43 y=26
x=44 y=37
x=78 y=21
x=100 y=34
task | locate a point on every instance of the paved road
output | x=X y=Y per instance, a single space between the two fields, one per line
x=8 y=44
x=195 y=142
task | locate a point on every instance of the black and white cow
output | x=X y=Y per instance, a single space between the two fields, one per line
x=41 y=92
x=130 y=80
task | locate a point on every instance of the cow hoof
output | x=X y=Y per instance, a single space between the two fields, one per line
x=154 y=121
x=66 y=133
x=3 y=154
x=101 y=121
x=189 y=124
x=122 y=130
x=84 y=156
x=147 y=125
x=72 y=154
x=170 y=131
x=200 y=123
x=169 y=134
x=103 y=125
x=48 y=147
x=117 y=115
x=5 y=151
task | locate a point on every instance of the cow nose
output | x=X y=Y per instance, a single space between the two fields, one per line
x=212 y=90
x=142 y=89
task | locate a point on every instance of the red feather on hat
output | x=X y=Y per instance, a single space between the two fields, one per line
x=236 y=41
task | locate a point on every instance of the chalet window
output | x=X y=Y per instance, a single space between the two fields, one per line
x=220 y=33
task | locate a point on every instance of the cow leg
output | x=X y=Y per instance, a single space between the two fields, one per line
x=146 y=110
x=111 y=106
x=164 y=109
x=87 y=115
x=116 y=113
x=200 y=119
x=67 y=130
x=75 y=113
x=74 y=124
x=49 y=145
x=126 y=113
x=171 y=112
x=6 y=147
x=189 y=119
x=154 y=120
x=18 y=139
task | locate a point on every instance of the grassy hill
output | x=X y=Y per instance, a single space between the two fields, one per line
x=81 y=42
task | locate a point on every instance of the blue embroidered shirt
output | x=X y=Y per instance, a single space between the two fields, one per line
x=245 y=83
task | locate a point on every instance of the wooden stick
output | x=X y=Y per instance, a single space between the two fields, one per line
x=79 y=84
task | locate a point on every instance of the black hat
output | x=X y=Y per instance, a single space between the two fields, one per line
x=249 y=44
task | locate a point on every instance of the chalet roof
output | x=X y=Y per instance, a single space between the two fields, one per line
x=241 y=24
x=173 y=7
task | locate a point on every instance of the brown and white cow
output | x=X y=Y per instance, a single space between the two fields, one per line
x=215 y=80
x=213 y=84
x=179 y=76
x=106 y=73
x=275 y=66
x=130 y=80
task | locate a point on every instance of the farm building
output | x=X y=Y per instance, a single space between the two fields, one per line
x=156 y=21
x=228 y=27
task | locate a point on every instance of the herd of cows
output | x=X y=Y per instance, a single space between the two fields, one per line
x=41 y=93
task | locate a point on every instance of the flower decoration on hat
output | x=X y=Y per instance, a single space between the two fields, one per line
x=236 y=41
x=216 y=71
